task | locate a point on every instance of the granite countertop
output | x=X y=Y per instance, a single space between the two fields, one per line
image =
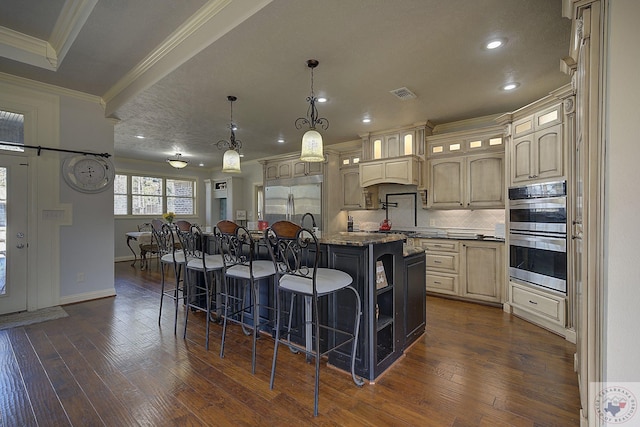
x=356 y=238
x=411 y=250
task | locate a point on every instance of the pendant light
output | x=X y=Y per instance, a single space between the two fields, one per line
x=177 y=161
x=231 y=157
x=312 y=140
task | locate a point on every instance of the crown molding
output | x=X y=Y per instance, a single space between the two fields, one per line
x=27 y=49
x=48 y=88
x=42 y=53
x=208 y=24
x=72 y=18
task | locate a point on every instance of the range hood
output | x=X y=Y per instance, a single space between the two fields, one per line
x=397 y=170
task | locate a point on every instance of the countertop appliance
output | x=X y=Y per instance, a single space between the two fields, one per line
x=538 y=234
x=290 y=199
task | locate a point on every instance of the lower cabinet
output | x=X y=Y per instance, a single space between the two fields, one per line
x=482 y=271
x=467 y=269
x=543 y=307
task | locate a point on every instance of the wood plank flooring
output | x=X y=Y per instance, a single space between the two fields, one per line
x=109 y=363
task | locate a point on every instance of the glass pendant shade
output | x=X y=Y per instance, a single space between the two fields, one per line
x=312 y=147
x=231 y=162
x=177 y=162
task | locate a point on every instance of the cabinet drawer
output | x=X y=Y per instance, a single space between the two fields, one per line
x=440 y=245
x=442 y=284
x=442 y=261
x=545 y=305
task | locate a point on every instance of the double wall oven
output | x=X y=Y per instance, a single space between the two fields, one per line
x=538 y=234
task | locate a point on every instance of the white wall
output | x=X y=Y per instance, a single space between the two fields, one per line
x=622 y=292
x=86 y=246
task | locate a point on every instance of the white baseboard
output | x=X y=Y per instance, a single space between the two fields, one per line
x=70 y=299
x=124 y=258
x=506 y=307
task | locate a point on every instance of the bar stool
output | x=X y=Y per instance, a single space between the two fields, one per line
x=171 y=255
x=238 y=253
x=194 y=244
x=295 y=252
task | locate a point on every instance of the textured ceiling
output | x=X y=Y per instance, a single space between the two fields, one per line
x=366 y=48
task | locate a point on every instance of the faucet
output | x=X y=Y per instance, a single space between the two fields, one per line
x=313 y=220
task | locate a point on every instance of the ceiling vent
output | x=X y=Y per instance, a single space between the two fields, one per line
x=403 y=94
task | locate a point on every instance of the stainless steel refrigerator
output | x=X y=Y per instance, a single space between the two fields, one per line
x=290 y=199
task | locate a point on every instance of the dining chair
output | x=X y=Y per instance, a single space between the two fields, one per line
x=183 y=225
x=295 y=253
x=171 y=256
x=240 y=266
x=200 y=294
x=147 y=245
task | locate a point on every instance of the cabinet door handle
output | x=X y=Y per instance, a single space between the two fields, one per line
x=437 y=262
x=533 y=302
x=436 y=282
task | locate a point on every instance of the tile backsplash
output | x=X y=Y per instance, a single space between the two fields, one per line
x=403 y=216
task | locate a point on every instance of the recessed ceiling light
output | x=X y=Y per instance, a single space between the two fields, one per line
x=366 y=120
x=201 y=164
x=495 y=43
x=281 y=141
x=510 y=86
x=322 y=99
x=140 y=136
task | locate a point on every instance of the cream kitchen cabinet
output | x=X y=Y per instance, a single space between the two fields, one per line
x=464 y=269
x=399 y=170
x=302 y=168
x=404 y=141
x=442 y=265
x=278 y=170
x=539 y=306
x=466 y=182
x=482 y=271
x=537 y=146
x=538 y=156
x=352 y=195
x=291 y=168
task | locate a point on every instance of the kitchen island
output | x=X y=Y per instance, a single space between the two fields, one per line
x=392 y=295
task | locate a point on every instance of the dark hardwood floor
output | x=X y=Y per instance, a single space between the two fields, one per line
x=109 y=363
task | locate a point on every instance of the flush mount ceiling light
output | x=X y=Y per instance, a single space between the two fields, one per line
x=177 y=161
x=510 y=86
x=495 y=43
x=231 y=157
x=312 y=140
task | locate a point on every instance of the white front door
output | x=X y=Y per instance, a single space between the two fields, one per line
x=13 y=233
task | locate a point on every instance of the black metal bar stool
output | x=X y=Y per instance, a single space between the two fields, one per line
x=295 y=252
x=238 y=254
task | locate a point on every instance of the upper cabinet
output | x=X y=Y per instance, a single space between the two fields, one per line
x=399 y=170
x=536 y=138
x=394 y=156
x=466 y=169
x=290 y=167
x=537 y=147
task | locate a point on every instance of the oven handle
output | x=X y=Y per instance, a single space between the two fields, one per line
x=543 y=203
x=555 y=244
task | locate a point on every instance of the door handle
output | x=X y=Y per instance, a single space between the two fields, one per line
x=20 y=245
